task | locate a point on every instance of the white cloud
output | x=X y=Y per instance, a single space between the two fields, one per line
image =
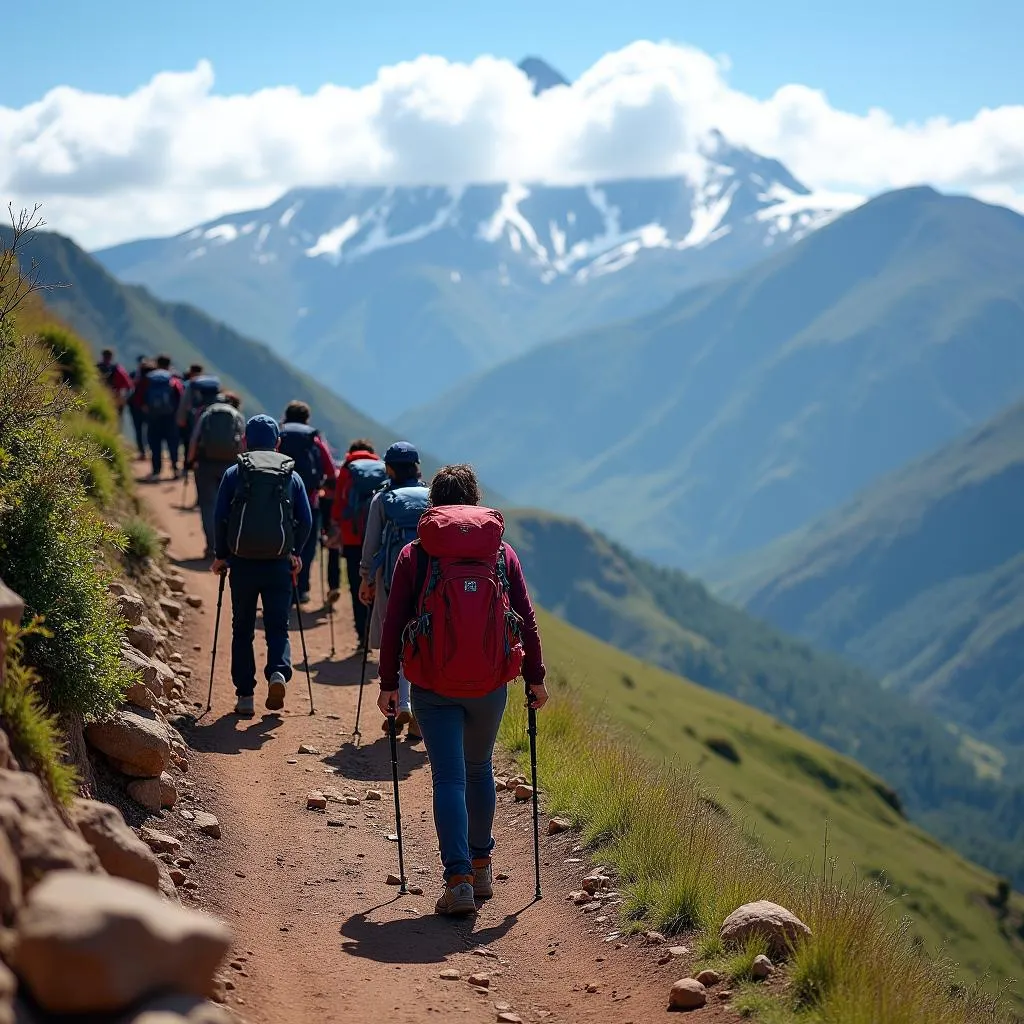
x=174 y=152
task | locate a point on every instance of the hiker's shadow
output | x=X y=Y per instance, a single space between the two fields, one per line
x=371 y=762
x=192 y=564
x=230 y=734
x=427 y=939
x=343 y=671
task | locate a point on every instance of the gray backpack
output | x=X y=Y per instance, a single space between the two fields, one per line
x=221 y=430
x=260 y=524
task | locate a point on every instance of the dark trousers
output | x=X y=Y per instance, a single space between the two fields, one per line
x=208 y=476
x=163 y=430
x=308 y=553
x=139 y=424
x=333 y=554
x=353 y=553
x=268 y=582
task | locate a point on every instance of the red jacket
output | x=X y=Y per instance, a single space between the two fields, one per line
x=330 y=470
x=350 y=537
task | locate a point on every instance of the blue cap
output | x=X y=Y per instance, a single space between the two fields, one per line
x=401 y=453
x=261 y=433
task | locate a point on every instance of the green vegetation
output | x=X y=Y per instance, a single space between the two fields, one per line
x=140 y=540
x=693 y=835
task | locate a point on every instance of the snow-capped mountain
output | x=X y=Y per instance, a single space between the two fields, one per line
x=352 y=281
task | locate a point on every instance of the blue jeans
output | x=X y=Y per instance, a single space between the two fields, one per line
x=161 y=430
x=459 y=734
x=270 y=582
x=308 y=553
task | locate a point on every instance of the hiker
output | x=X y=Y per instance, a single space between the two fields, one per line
x=314 y=464
x=359 y=477
x=201 y=390
x=262 y=520
x=459 y=624
x=143 y=367
x=115 y=376
x=216 y=443
x=161 y=396
x=391 y=523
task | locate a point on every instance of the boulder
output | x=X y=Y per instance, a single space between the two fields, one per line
x=687 y=994
x=556 y=825
x=93 y=944
x=139 y=695
x=131 y=608
x=778 y=926
x=175 y=583
x=762 y=968
x=709 y=978
x=37 y=834
x=172 y=609
x=144 y=666
x=165 y=677
x=160 y=842
x=208 y=824
x=137 y=742
x=121 y=852
x=144 y=638
x=10 y=880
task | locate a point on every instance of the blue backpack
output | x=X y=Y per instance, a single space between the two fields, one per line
x=160 y=398
x=298 y=442
x=402 y=508
x=205 y=390
x=367 y=477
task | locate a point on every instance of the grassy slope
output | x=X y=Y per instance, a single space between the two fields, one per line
x=790 y=790
x=744 y=409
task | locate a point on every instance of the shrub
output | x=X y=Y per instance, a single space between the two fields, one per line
x=106 y=465
x=72 y=356
x=723 y=748
x=140 y=540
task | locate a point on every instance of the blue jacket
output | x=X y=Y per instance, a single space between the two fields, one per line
x=302 y=516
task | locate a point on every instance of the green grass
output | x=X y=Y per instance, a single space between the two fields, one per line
x=140 y=540
x=618 y=759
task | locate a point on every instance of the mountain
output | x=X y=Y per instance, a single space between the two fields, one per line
x=746 y=408
x=920 y=579
x=795 y=796
x=542 y=75
x=357 y=284
x=130 y=320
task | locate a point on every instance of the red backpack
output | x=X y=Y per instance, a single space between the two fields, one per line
x=466 y=640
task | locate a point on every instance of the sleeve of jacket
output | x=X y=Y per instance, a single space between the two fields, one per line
x=400 y=609
x=519 y=598
x=222 y=510
x=326 y=461
x=302 y=514
x=372 y=538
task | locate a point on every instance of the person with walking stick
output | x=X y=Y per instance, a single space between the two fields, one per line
x=262 y=519
x=460 y=623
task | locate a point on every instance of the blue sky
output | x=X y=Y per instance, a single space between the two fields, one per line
x=917 y=59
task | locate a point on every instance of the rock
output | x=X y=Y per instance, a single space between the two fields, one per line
x=504 y=1017
x=516 y=780
x=687 y=994
x=121 y=852
x=523 y=791
x=175 y=658
x=709 y=978
x=165 y=677
x=592 y=883
x=501 y=876
x=137 y=742
x=415 y=890
x=37 y=836
x=316 y=801
x=92 y=944
x=392 y=880
x=194 y=601
x=481 y=980
x=168 y=890
x=131 y=608
x=171 y=608
x=352 y=801
x=146 y=792
x=207 y=824
x=653 y=938
x=160 y=842
x=556 y=825
x=177 y=876
x=449 y=974
x=781 y=928
x=177 y=1009
x=762 y=968
x=678 y=950
x=500 y=785
x=374 y=794
x=145 y=668
x=144 y=638
x=141 y=696
x=176 y=584
x=305 y=748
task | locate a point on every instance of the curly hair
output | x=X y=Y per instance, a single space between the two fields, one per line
x=455 y=485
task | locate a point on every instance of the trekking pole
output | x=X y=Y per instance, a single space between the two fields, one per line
x=392 y=735
x=216 y=633
x=532 y=730
x=302 y=637
x=362 y=680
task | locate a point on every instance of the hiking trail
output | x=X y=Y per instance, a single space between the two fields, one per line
x=319 y=934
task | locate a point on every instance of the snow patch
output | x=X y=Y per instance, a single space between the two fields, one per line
x=196 y=253
x=286 y=217
x=557 y=238
x=330 y=243
x=248 y=229
x=262 y=237
x=508 y=217
x=221 y=233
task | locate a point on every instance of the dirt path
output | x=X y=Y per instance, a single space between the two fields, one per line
x=320 y=936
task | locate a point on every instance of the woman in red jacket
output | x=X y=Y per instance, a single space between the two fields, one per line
x=460 y=681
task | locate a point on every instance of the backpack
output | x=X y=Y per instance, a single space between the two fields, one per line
x=260 y=520
x=298 y=442
x=402 y=506
x=221 y=430
x=106 y=371
x=205 y=390
x=367 y=476
x=160 y=398
x=466 y=639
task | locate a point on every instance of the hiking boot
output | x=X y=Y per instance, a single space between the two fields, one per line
x=333 y=596
x=413 y=734
x=275 y=693
x=483 y=879
x=245 y=707
x=457 y=898
x=402 y=719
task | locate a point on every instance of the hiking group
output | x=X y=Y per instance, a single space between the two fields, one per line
x=434 y=587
